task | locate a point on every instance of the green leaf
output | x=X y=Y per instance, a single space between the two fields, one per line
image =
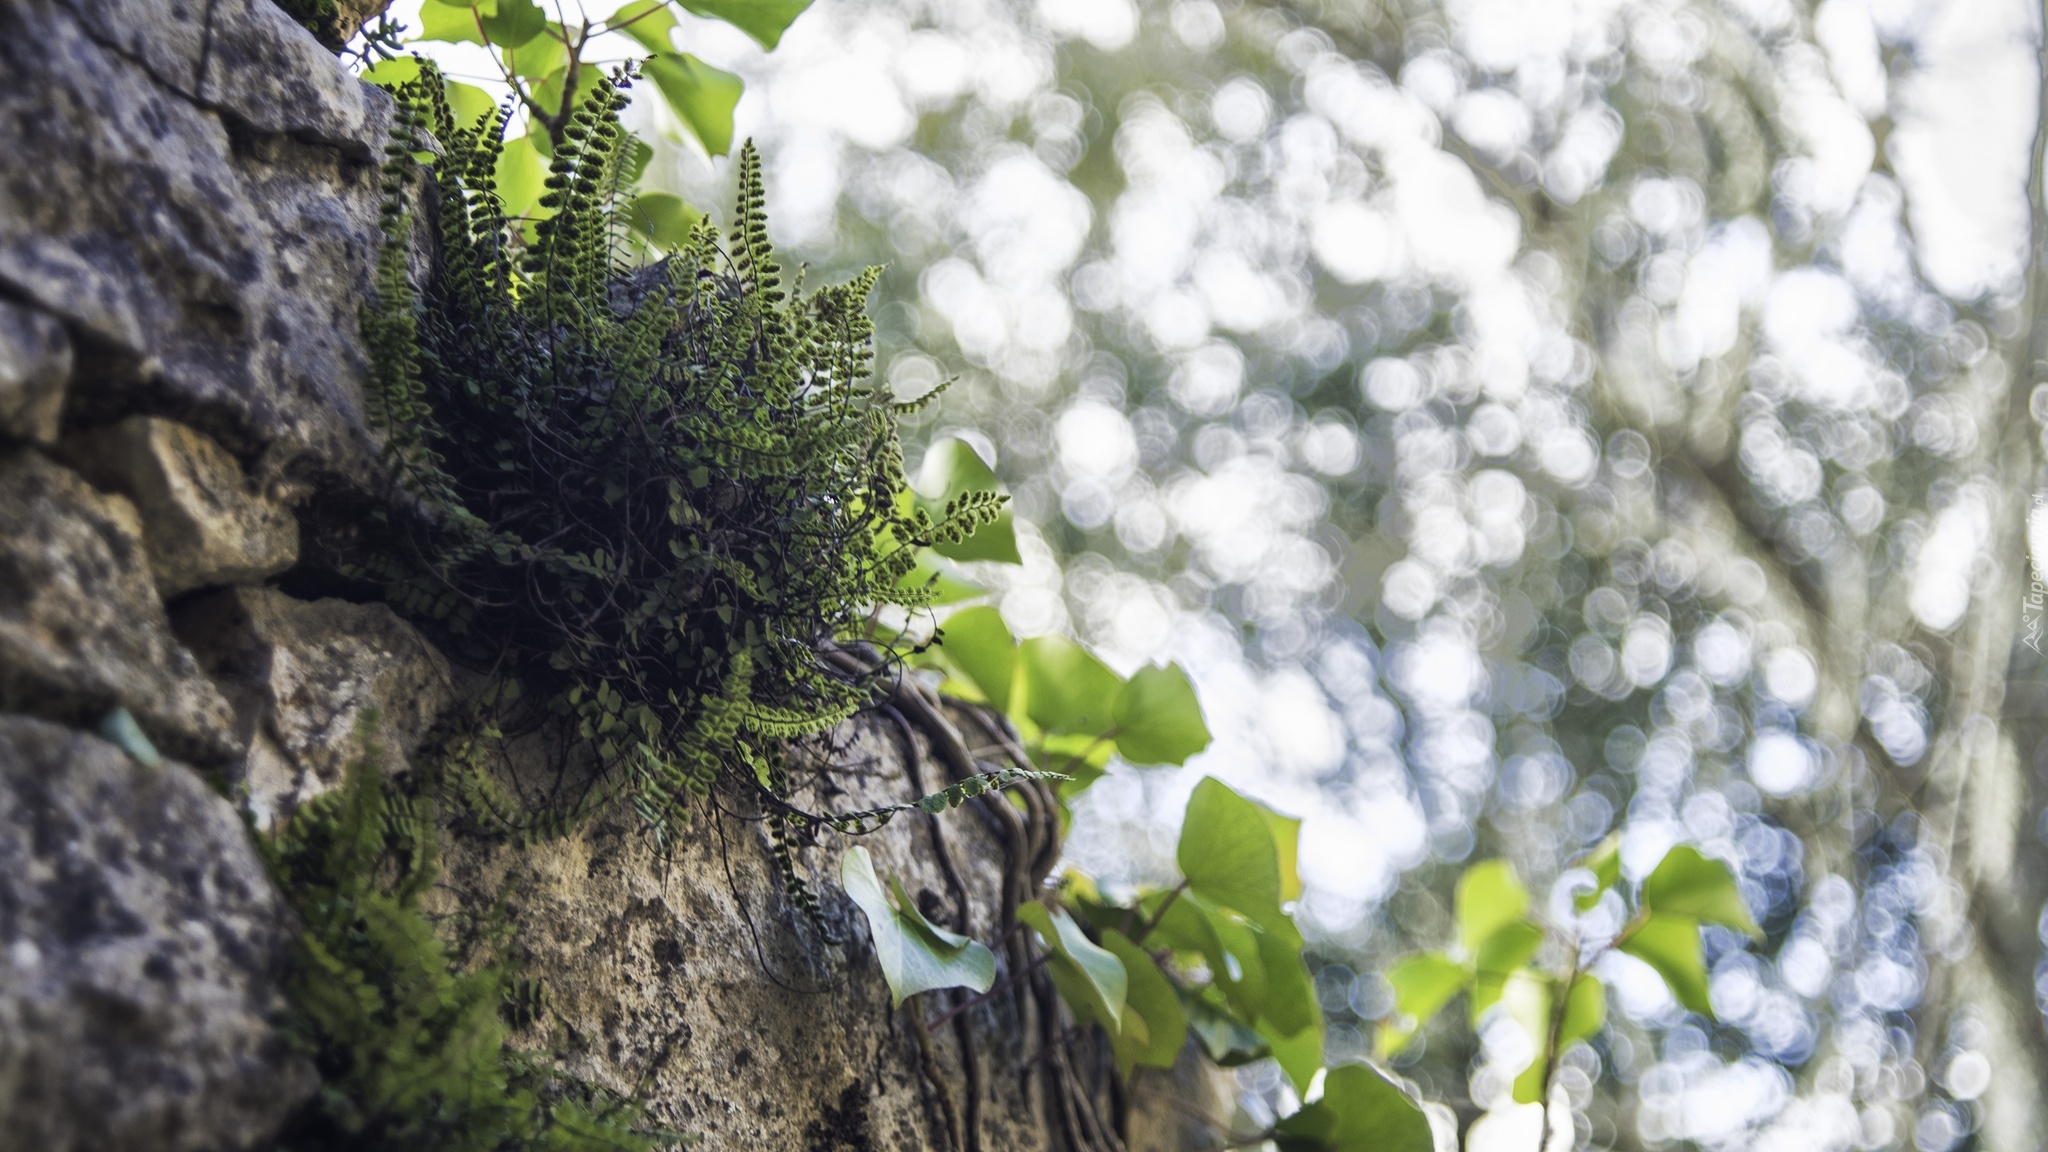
x=1224 y=1038
x=1151 y=996
x=1095 y=979
x=548 y=93
x=977 y=643
x=952 y=468
x=701 y=96
x=521 y=177
x=1227 y=944
x=1689 y=884
x=1286 y=832
x=392 y=72
x=1290 y=990
x=1670 y=943
x=1227 y=853
x=539 y=58
x=1489 y=898
x=1502 y=954
x=1360 y=1111
x=1584 y=1012
x=1066 y=689
x=453 y=23
x=468 y=103
x=662 y=218
x=1605 y=863
x=1299 y=1055
x=764 y=20
x=515 y=23
x=916 y=955
x=646 y=21
x=1157 y=718
x=1423 y=984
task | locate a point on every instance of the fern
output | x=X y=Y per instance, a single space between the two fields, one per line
x=653 y=493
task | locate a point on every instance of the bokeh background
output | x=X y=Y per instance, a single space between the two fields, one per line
x=1526 y=420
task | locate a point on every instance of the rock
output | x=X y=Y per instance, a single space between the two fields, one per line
x=301 y=676
x=81 y=628
x=35 y=365
x=192 y=187
x=140 y=947
x=202 y=521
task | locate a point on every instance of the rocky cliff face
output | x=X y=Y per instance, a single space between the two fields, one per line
x=187 y=229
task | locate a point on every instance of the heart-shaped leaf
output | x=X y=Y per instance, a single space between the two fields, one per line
x=1150 y=996
x=1066 y=689
x=764 y=20
x=701 y=96
x=915 y=954
x=662 y=218
x=1091 y=979
x=454 y=23
x=977 y=644
x=1689 y=884
x=1360 y=1111
x=647 y=21
x=1670 y=943
x=1489 y=898
x=521 y=177
x=515 y=23
x=1157 y=718
x=1423 y=984
x=1227 y=853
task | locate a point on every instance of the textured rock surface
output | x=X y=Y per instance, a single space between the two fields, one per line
x=203 y=522
x=301 y=675
x=139 y=943
x=191 y=188
x=81 y=628
x=692 y=977
x=35 y=365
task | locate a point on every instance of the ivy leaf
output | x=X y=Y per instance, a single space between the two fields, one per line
x=1605 y=863
x=1224 y=1038
x=1360 y=1111
x=1227 y=853
x=548 y=93
x=468 y=103
x=916 y=955
x=454 y=23
x=648 y=22
x=1423 y=984
x=1091 y=979
x=1290 y=991
x=1489 y=898
x=1688 y=884
x=1157 y=718
x=1151 y=996
x=1066 y=689
x=977 y=643
x=392 y=72
x=662 y=218
x=1670 y=943
x=515 y=23
x=764 y=20
x=540 y=58
x=952 y=468
x=521 y=177
x=1499 y=958
x=1286 y=832
x=701 y=96
x=1299 y=1055
x=1226 y=944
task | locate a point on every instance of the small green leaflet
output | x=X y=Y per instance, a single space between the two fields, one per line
x=701 y=96
x=1360 y=1111
x=1157 y=718
x=1689 y=884
x=952 y=468
x=1090 y=978
x=916 y=955
x=1423 y=984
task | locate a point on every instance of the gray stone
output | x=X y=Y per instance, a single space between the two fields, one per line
x=302 y=675
x=140 y=947
x=35 y=365
x=192 y=187
x=81 y=628
x=203 y=522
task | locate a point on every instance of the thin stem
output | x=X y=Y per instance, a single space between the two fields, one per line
x=1008 y=982
x=1161 y=914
